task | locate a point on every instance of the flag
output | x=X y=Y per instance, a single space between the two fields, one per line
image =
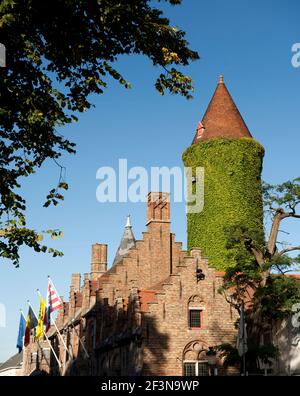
x=21 y=333
x=53 y=303
x=31 y=323
x=40 y=327
x=242 y=334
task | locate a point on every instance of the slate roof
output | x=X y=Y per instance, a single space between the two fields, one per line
x=127 y=242
x=13 y=362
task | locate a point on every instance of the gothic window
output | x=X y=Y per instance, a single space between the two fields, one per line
x=189 y=368
x=203 y=369
x=194 y=359
x=195 y=318
x=197 y=368
x=195 y=312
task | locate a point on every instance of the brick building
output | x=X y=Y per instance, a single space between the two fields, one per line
x=156 y=310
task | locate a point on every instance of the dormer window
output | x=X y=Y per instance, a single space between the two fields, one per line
x=200 y=130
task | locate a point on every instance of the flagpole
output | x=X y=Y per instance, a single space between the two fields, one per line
x=68 y=350
x=81 y=343
x=64 y=344
x=58 y=362
x=63 y=369
x=49 y=278
x=22 y=313
x=55 y=325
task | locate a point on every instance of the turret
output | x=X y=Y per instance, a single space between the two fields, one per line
x=127 y=242
x=232 y=162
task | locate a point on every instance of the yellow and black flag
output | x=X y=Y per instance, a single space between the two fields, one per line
x=41 y=320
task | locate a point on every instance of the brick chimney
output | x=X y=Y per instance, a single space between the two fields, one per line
x=99 y=260
x=71 y=312
x=158 y=208
x=158 y=222
x=74 y=288
x=75 y=281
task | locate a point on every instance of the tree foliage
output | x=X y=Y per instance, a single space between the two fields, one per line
x=58 y=53
x=264 y=283
x=264 y=353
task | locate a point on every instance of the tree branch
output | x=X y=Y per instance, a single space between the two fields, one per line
x=258 y=254
x=288 y=250
x=278 y=217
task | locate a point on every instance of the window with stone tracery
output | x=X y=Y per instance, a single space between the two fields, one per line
x=194 y=359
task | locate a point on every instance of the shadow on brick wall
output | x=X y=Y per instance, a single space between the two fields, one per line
x=119 y=340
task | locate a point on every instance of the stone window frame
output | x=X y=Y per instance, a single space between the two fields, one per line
x=196 y=303
x=200 y=310
x=195 y=352
x=196 y=363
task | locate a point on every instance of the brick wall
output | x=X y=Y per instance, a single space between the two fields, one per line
x=134 y=318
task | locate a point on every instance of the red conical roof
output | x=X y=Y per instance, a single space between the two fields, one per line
x=222 y=118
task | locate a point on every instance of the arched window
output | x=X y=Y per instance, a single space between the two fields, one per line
x=194 y=359
x=196 y=310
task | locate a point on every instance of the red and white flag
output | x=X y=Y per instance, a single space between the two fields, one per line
x=53 y=302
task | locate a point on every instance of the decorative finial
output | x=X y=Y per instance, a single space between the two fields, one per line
x=221 y=79
x=128 y=223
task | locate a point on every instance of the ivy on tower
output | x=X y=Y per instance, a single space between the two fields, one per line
x=232 y=162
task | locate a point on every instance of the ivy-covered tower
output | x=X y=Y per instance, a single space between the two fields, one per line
x=232 y=162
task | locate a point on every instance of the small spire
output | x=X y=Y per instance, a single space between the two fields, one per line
x=127 y=242
x=128 y=222
x=221 y=79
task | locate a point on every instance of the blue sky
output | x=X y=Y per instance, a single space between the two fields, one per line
x=250 y=43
